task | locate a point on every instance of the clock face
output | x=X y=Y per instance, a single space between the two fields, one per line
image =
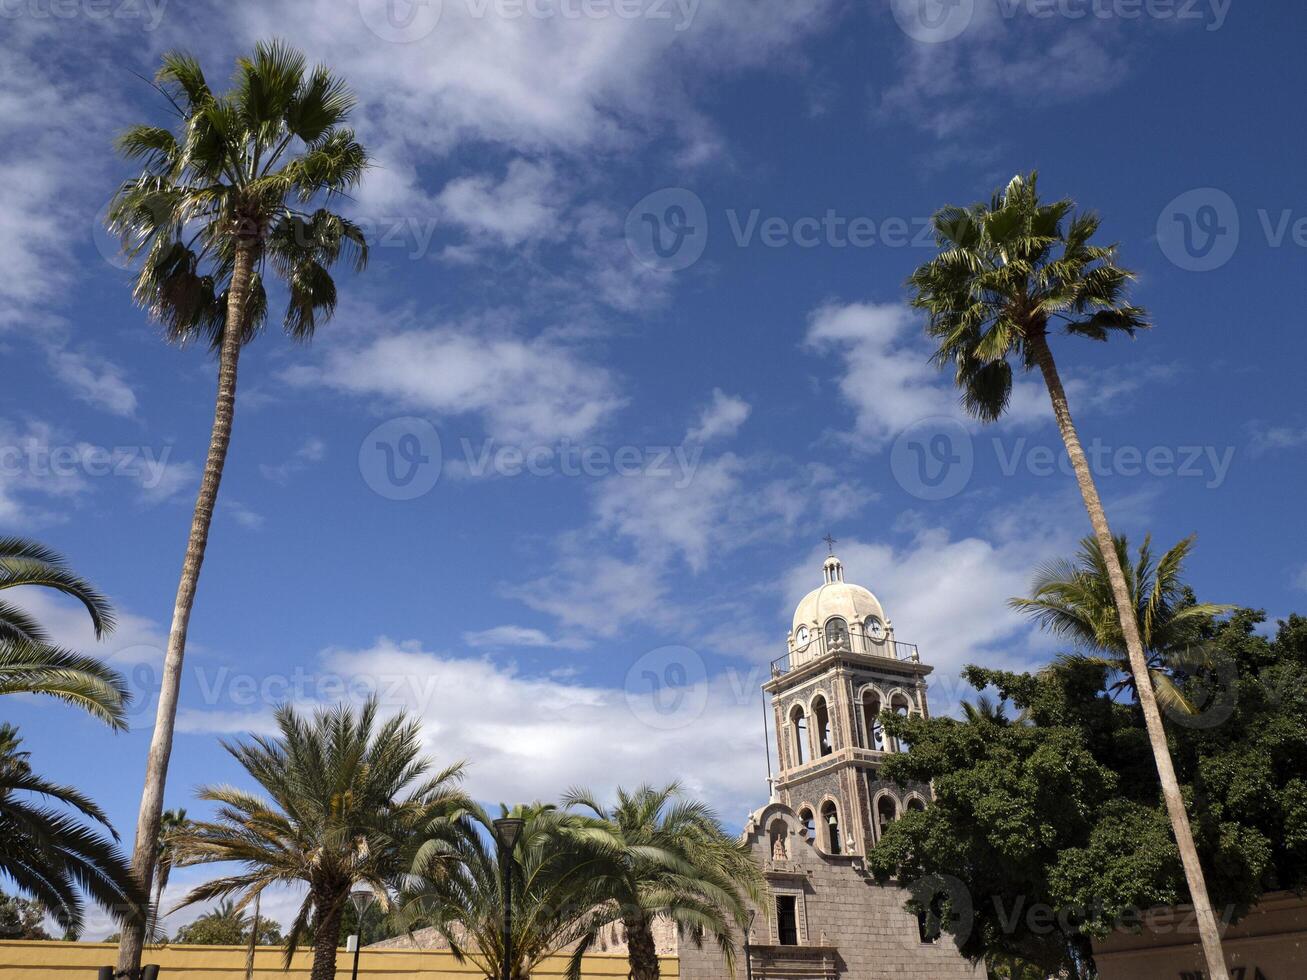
x=875 y=628
x=801 y=637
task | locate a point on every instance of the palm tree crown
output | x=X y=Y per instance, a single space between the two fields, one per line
x=673 y=860
x=1073 y=599
x=50 y=854
x=349 y=799
x=1007 y=272
x=235 y=177
x=29 y=662
x=558 y=894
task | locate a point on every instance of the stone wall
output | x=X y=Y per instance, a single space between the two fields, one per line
x=852 y=927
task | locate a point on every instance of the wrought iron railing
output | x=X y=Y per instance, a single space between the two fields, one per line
x=824 y=644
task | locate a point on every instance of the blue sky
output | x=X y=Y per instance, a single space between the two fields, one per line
x=536 y=461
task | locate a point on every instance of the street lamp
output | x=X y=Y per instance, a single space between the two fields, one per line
x=748 y=956
x=507 y=831
x=362 y=899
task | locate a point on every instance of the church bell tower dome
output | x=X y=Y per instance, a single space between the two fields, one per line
x=838 y=608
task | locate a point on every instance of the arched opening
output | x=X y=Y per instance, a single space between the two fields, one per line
x=917 y=805
x=871 y=721
x=887 y=811
x=901 y=707
x=821 y=718
x=799 y=727
x=830 y=818
x=809 y=825
x=837 y=634
x=779 y=835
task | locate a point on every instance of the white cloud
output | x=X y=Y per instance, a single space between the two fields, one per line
x=523 y=207
x=249 y=519
x=509 y=636
x=954 y=88
x=1264 y=438
x=312 y=450
x=524 y=390
x=94 y=380
x=167 y=480
x=1300 y=580
x=721 y=419
x=534 y=737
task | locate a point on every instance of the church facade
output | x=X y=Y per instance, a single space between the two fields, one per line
x=828 y=918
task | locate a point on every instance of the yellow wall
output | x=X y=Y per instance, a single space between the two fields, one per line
x=20 y=960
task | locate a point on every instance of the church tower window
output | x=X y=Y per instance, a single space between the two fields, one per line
x=809 y=828
x=871 y=722
x=837 y=634
x=830 y=816
x=821 y=718
x=887 y=811
x=799 y=722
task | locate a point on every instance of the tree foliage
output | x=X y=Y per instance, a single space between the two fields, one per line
x=1051 y=829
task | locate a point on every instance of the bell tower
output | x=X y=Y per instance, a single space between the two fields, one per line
x=842 y=668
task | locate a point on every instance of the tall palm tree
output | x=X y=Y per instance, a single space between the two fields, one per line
x=674 y=861
x=171 y=826
x=350 y=799
x=1008 y=272
x=558 y=894
x=29 y=662
x=1073 y=599
x=52 y=855
x=222 y=202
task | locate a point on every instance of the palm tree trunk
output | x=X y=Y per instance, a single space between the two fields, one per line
x=156 y=766
x=254 y=939
x=1184 y=838
x=641 y=951
x=326 y=939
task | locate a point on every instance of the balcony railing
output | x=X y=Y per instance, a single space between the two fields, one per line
x=823 y=645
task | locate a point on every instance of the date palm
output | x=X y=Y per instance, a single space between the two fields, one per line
x=558 y=893
x=1073 y=599
x=229 y=198
x=29 y=662
x=674 y=861
x=51 y=854
x=1009 y=273
x=348 y=800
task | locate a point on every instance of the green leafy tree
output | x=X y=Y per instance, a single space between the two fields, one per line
x=225 y=202
x=226 y=925
x=1052 y=827
x=673 y=859
x=29 y=662
x=1073 y=599
x=558 y=895
x=50 y=854
x=1008 y=273
x=349 y=801
x=21 y=918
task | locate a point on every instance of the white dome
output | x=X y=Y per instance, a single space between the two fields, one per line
x=835 y=597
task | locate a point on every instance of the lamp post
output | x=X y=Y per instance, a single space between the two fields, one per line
x=362 y=899
x=748 y=955
x=507 y=831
